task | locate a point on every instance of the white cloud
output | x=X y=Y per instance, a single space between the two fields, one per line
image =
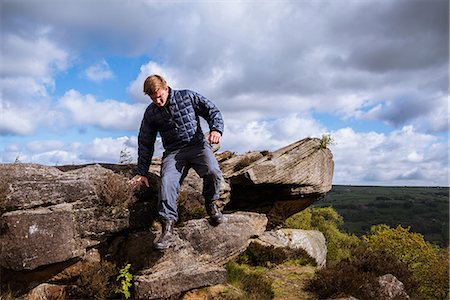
x=33 y=55
x=106 y=149
x=56 y=152
x=99 y=71
x=28 y=66
x=242 y=136
x=403 y=157
x=135 y=89
x=109 y=114
x=42 y=146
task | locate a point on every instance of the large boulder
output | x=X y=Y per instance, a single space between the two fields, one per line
x=311 y=241
x=281 y=183
x=51 y=216
x=196 y=258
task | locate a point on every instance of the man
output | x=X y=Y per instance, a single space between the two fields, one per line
x=175 y=115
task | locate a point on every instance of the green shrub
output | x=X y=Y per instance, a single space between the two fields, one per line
x=255 y=285
x=124 y=278
x=428 y=264
x=325 y=141
x=358 y=276
x=268 y=256
x=326 y=220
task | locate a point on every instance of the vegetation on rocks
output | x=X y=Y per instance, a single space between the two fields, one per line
x=429 y=264
x=114 y=190
x=97 y=281
x=357 y=275
x=250 y=280
x=354 y=264
x=268 y=256
x=328 y=221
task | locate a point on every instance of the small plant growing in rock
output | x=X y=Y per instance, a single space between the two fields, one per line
x=124 y=278
x=267 y=154
x=325 y=141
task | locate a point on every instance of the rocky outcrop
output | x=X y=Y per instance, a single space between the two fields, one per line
x=196 y=259
x=312 y=241
x=281 y=183
x=53 y=217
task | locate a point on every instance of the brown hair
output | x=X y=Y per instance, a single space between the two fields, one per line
x=153 y=83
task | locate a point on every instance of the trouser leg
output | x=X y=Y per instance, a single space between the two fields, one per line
x=205 y=164
x=171 y=170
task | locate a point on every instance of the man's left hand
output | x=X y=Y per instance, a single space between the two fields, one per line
x=214 y=137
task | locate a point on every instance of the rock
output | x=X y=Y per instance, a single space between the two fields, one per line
x=312 y=241
x=303 y=165
x=391 y=288
x=196 y=259
x=30 y=185
x=32 y=238
x=50 y=216
x=46 y=291
x=281 y=183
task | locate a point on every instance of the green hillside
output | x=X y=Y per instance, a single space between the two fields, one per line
x=425 y=209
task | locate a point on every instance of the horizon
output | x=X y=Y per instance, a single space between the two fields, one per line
x=72 y=76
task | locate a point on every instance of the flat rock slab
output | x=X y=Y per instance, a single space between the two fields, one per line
x=304 y=165
x=28 y=186
x=31 y=238
x=197 y=256
x=160 y=285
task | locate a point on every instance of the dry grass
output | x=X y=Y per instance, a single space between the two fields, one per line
x=114 y=190
x=97 y=281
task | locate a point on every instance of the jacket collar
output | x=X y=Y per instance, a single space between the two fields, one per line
x=170 y=97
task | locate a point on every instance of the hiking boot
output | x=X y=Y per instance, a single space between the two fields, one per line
x=214 y=213
x=165 y=239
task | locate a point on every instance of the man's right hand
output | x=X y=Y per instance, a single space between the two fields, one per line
x=138 y=180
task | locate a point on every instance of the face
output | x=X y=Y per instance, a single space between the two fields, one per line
x=160 y=97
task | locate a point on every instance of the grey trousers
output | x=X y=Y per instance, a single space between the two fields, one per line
x=174 y=167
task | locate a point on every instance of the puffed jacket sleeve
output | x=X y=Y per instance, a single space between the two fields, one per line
x=146 y=145
x=207 y=110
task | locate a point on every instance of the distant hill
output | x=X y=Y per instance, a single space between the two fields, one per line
x=425 y=209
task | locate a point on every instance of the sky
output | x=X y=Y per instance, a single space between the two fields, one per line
x=372 y=74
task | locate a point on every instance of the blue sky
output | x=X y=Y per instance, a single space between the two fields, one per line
x=373 y=74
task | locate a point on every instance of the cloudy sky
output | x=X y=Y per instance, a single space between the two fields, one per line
x=373 y=74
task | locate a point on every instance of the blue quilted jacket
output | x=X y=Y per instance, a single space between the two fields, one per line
x=177 y=122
